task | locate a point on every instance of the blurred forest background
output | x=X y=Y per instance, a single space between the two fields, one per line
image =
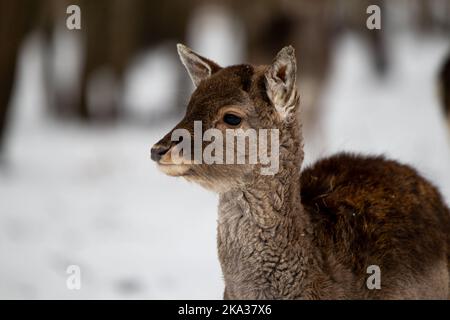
x=80 y=109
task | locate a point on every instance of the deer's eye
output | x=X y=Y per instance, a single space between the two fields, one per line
x=231 y=119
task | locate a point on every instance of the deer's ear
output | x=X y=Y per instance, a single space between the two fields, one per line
x=198 y=67
x=280 y=81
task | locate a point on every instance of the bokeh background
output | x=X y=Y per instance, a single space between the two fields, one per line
x=80 y=109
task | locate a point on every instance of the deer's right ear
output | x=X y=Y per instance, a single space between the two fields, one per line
x=280 y=81
x=198 y=67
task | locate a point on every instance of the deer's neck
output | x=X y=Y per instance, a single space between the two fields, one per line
x=264 y=236
x=275 y=199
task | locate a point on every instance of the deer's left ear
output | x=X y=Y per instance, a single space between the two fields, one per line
x=198 y=67
x=280 y=81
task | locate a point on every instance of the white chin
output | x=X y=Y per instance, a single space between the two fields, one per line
x=173 y=170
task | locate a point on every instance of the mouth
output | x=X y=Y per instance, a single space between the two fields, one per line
x=173 y=170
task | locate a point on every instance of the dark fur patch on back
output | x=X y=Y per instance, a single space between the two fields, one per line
x=378 y=210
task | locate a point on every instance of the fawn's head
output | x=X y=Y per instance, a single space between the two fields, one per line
x=246 y=97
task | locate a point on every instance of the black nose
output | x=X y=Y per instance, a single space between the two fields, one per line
x=158 y=151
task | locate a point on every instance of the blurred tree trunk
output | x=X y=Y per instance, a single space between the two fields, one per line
x=16 y=18
x=444 y=86
x=114 y=31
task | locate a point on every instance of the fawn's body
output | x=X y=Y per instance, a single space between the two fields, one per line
x=310 y=234
x=346 y=223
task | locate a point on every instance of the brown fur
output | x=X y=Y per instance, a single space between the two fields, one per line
x=368 y=210
x=310 y=234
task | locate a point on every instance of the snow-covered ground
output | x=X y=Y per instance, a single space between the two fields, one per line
x=75 y=195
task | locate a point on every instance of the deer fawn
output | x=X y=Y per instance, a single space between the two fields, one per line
x=310 y=234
